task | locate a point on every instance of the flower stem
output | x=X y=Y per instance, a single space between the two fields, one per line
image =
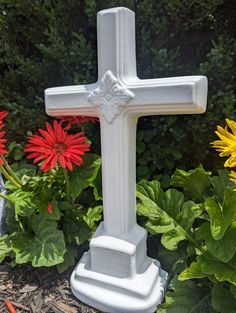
x=9 y=177
x=67 y=184
x=10 y=171
x=6 y=197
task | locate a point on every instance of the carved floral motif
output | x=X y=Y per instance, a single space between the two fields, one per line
x=111 y=96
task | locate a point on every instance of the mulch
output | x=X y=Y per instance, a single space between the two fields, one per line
x=38 y=291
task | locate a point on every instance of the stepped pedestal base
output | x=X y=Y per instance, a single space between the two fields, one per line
x=117 y=276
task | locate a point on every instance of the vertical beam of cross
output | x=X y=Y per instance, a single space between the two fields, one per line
x=118 y=98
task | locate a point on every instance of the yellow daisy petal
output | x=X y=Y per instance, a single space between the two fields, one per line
x=232 y=125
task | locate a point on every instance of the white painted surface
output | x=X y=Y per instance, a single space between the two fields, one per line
x=116 y=275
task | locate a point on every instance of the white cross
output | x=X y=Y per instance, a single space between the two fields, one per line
x=118 y=98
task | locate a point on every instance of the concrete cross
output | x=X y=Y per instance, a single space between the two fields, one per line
x=119 y=98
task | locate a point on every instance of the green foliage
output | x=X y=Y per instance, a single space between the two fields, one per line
x=50 y=238
x=53 y=43
x=167 y=213
x=43 y=246
x=197 y=224
x=181 y=299
x=222 y=300
x=194 y=183
x=4 y=247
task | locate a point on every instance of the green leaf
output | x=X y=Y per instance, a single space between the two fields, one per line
x=186 y=297
x=26 y=172
x=222 y=300
x=223 y=249
x=96 y=184
x=83 y=234
x=93 y=215
x=12 y=224
x=221 y=270
x=193 y=271
x=23 y=201
x=83 y=176
x=233 y=290
x=148 y=193
x=173 y=261
x=221 y=216
x=167 y=213
x=219 y=184
x=45 y=247
x=69 y=259
x=42 y=206
x=195 y=183
x=5 y=247
x=77 y=231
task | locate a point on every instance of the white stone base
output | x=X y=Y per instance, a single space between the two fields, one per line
x=137 y=286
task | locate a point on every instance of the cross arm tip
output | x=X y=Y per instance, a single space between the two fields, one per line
x=200 y=95
x=116 y=10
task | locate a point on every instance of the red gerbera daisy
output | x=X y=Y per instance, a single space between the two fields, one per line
x=71 y=120
x=56 y=145
x=2 y=143
x=3 y=114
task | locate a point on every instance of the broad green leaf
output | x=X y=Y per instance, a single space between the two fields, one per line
x=56 y=214
x=149 y=193
x=222 y=299
x=171 y=239
x=83 y=176
x=93 y=215
x=186 y=297
x=23 y=201
x=233 y=290
x=12 y=224
x=64 y=205
x=45 y=247
x=221 y=182
x=173 y=262
x=221 y=270
x=193 y=271
x=223 y=249
x=69 y=259
x=77 y=232
x=221 y=216
x=167 y=213
x=5 y=247
x=195 y=183
x=83 y=234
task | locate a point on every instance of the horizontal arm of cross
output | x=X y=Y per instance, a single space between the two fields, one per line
x=177 y=95
x=70 y=100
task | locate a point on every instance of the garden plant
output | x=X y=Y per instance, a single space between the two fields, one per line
x=49 y=214
x=196 y=219
x=53 y=208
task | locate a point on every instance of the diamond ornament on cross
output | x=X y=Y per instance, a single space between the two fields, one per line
x=116 y=275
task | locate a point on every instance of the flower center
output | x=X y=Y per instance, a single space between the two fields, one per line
x=59 y=147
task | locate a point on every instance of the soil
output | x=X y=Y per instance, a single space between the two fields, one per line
x=38 y=291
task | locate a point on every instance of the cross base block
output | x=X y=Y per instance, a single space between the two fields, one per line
x=116 y=275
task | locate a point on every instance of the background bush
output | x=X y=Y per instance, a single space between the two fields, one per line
x=51 y=43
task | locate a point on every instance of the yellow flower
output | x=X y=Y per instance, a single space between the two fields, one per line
x=227 y=143
x=232 y=177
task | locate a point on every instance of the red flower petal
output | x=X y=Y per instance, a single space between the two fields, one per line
x=50 y=208
x=55 y=145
